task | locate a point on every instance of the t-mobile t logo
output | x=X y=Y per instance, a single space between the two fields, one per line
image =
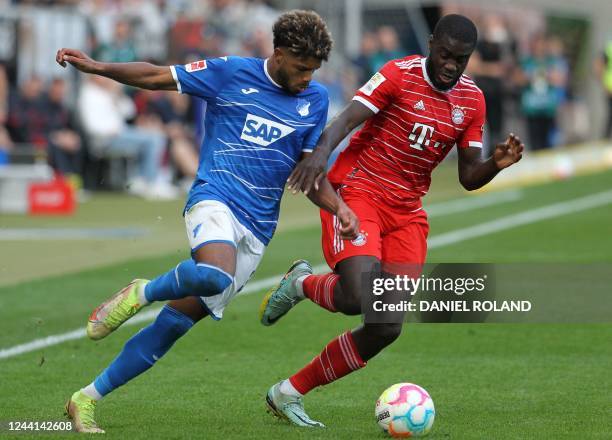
x=421 y=135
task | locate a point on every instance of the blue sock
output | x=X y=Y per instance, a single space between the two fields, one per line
x=188 y=279
x=144 y=348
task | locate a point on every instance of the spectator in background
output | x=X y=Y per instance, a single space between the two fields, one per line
x=389 y=48
x=185 y=38
x=172 y=113
x=101 y=15
x=258 y=44
x=365 y=61
x=559 y=80
x=540 y=77
x=603 y=68
x=6 y=144
x=42 y=120
x=64 y=142
x=183 y=146
x=256 y=36
x=121 y=48
x=104 y=109
x=227 y=19
x=489 y=66
x=27 y=119
x=150 y=23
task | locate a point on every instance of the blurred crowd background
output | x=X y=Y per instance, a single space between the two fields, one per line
x=537 y=69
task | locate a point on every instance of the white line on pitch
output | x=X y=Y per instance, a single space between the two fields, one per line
x=145 y=315
x=474 y=202
x=12 y=234
x=441 y=240
x=521 y=219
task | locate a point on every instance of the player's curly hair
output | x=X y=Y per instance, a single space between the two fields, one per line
x=304 y=33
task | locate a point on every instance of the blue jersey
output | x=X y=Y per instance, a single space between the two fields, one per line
x=254 y=135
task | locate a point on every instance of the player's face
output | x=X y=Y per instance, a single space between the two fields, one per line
x=447 y=60
x=294 y=72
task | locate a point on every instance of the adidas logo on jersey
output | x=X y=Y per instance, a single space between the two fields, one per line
x=419 y=106
x=406 y=64
x=262 y=131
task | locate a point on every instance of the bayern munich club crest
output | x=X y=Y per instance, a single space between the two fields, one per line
x=361 y=239
x=457 y=115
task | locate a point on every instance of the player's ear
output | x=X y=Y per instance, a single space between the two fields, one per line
x=278 y=55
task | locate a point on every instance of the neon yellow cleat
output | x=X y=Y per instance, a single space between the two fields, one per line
x=109 y=315
x=80 y=409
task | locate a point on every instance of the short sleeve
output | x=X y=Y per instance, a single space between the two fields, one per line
x=472 y=136
x=381 y=89
x=313 y=135
x=204 y=78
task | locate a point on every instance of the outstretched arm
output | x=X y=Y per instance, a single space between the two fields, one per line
x=474 y=172
x=142 y=75
x=310 y=172
x=326 y=198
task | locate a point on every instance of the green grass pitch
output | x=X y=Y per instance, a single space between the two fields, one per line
x=488 y=381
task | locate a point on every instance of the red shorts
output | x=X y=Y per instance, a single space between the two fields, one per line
x=397 y=237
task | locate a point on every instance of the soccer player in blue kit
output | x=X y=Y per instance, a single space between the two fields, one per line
x=263 y=117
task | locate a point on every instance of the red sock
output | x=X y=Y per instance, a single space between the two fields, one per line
x=338 y=358
x=320 y=289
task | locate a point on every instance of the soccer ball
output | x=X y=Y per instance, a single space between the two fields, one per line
x=405 y=410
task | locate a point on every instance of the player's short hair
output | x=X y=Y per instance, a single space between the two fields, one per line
x=304 y=33
x=457 y=27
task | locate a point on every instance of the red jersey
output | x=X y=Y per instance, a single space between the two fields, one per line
x=414 y=128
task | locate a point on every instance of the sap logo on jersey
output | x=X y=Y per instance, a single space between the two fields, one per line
x=263 y=131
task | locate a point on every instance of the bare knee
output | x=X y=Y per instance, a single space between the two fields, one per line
x=189 y=306
x=384 y=333
x=220 y=255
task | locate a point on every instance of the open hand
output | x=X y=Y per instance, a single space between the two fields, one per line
x=509 y=152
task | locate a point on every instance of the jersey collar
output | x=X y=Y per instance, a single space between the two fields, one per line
x=268 y=75
x=426 y=76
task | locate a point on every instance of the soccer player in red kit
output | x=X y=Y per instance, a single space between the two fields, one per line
x=415 y=110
